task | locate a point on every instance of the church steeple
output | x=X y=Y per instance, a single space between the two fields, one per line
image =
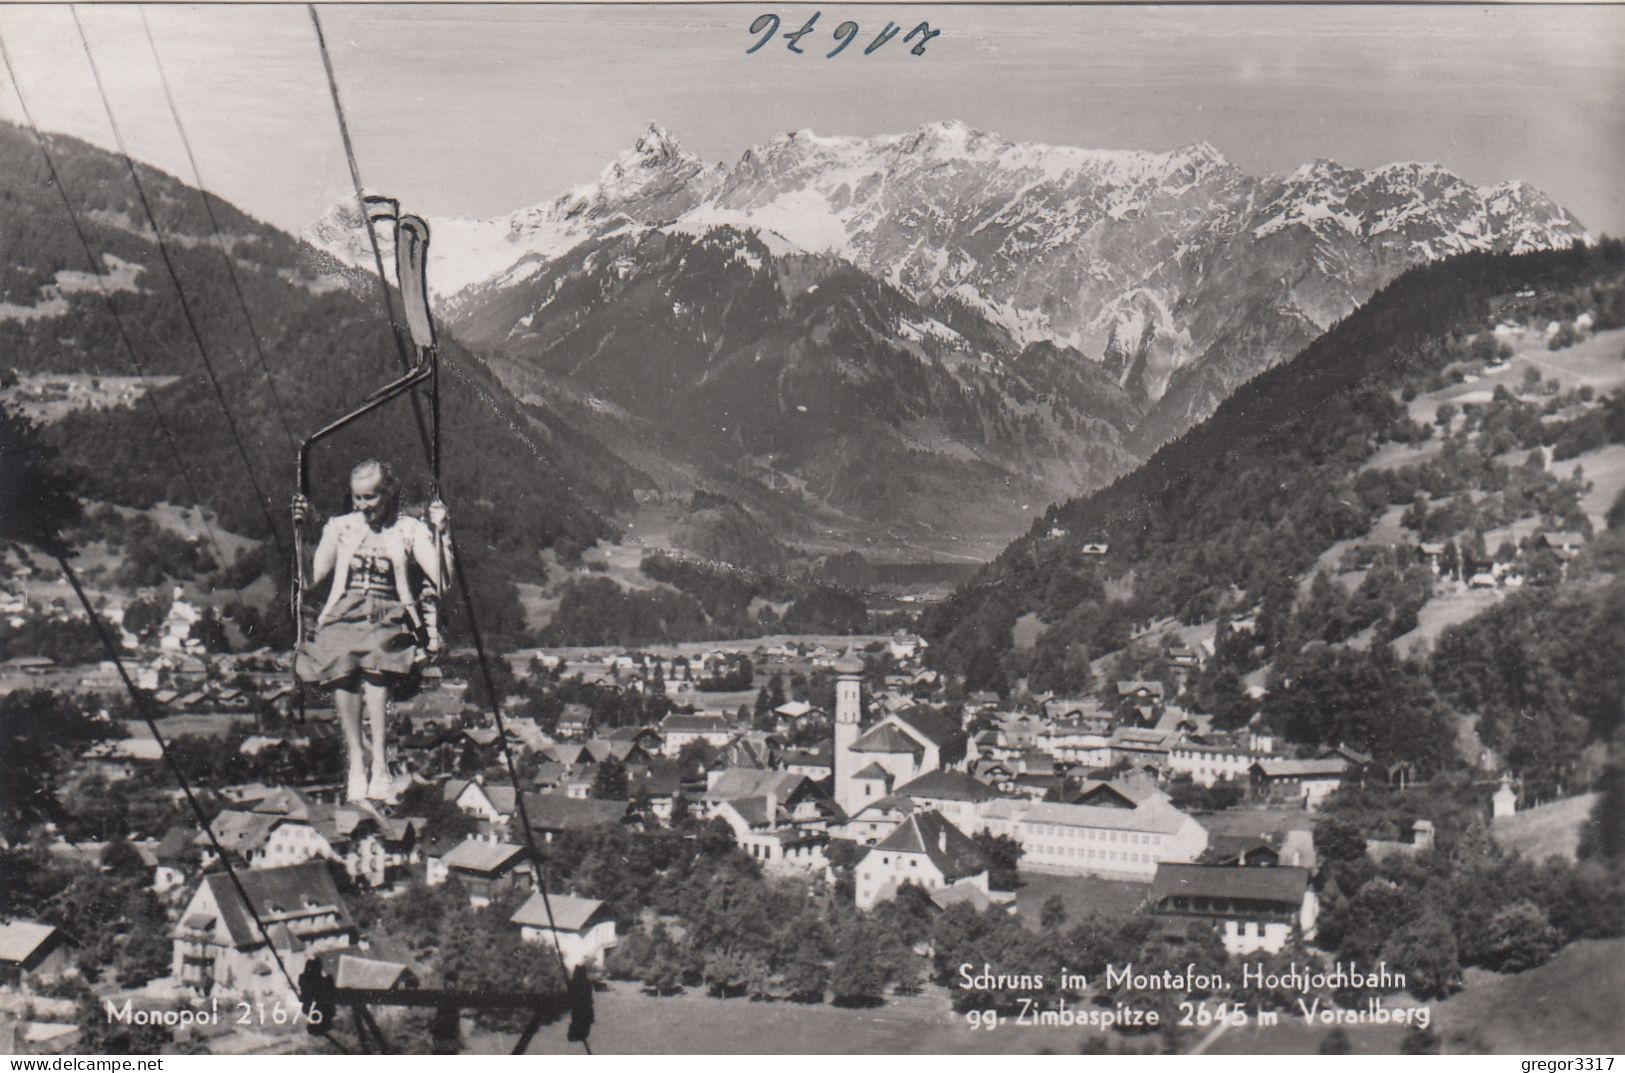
x=848 y=712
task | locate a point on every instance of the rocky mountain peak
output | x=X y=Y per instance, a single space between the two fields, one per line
x=657 y=146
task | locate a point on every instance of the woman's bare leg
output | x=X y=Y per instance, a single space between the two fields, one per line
x=347 y=703
x=376 y=695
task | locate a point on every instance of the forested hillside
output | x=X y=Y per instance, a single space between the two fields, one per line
x=1288 y=532
x=518 y=477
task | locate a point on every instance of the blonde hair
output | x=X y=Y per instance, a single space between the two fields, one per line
x=388 y=485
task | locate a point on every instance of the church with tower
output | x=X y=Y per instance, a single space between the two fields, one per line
x=872 y=762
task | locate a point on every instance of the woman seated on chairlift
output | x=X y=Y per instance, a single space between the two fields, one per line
x=380 y=621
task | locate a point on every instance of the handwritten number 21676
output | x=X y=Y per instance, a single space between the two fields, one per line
x=845 y=33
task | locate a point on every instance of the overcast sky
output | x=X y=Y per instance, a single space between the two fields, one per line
x=476 y=111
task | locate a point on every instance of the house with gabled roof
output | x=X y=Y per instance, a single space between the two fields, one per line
x=554 y=814
x=645 y=738
x=487 y=868
x=491 y=802
x=797 y=794
x=1221 y=757
x=817 y=764
x=1566 y=543
x=1139 y=690
x=925 y=849
x=374 y=849
x=955 y=794
x=217 y=945
x=241 y=835
x=33 y=952
x=752 y=750
x=1141 y=747
x=569 y=780
x=583 y=928
x=878 y=819
x=1253 y=908
x=575 y=722
x=175 y=858
x=780 y=818
x=660 y=788
x=792 y=712
x=1301 y=783
x=679 y=728
x=629 y=753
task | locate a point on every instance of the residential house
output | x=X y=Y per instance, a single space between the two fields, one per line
x=575 y=722
x=878 y=819
x=582 y=927
x=375 y=850
x=1567 y=544
x=553 y=814
x=925 y=849
x=218 y=945
x=1079 y=740
x=1254 y=908
x=1083 y=710
x=659 y=788
x=778 y=817
x=766 y=832
x=487 y=868
x=794 y=713
x=955 y=794
x=175 y=859
x=796 y=793
x=1019 y=731
x=645 y=738
x=242 y=835
x=749 y=750
x=817 y=764
x=1304 y=783
x=1217 y=759
x=1142 y=747
x=570 y=780
x=678 y=729
x=905 y=646
x=1139 y=691
x=493 y=803
x=33 y=953
x=628 y=753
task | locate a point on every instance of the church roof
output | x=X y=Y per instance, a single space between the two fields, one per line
x=938 y=729
x=887 y=738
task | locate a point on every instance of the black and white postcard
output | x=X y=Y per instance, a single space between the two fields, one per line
x=751 y=528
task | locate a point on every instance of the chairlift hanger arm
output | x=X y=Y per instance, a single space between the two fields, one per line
x=423 y=371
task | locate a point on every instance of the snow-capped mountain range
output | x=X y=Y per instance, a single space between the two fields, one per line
x=1179 y=273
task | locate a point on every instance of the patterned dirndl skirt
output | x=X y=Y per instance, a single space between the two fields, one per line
x=366 y=633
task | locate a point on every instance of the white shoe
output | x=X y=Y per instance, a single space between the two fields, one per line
x=357 y=788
